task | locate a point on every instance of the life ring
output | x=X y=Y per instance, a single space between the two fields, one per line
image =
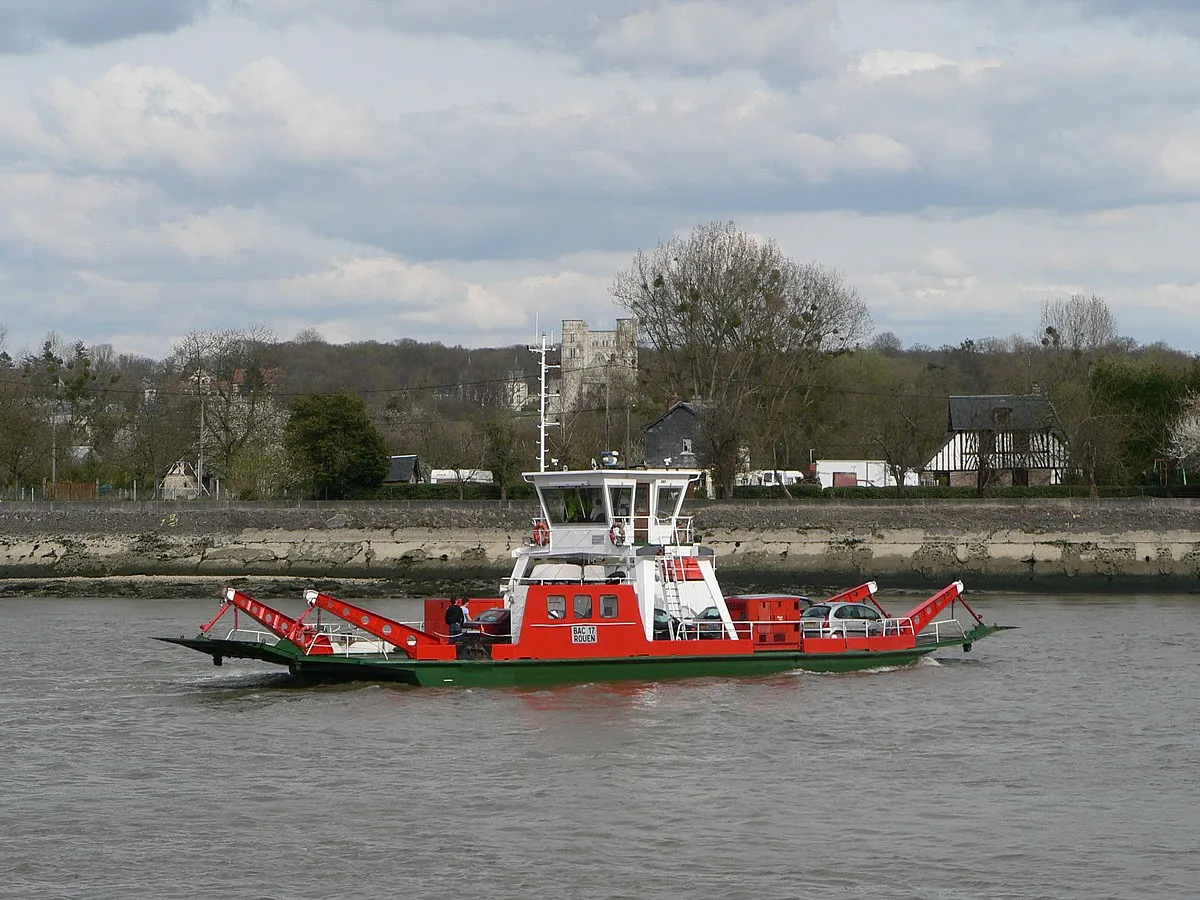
x=541 y=534
x=616 y=535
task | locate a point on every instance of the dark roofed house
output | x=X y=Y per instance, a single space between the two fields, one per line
x=1000 y=439
x=403 y=470
x=673 y=439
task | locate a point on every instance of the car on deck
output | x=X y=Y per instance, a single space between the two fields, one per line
x=705 y=624
x=841 y=620
x=492 y=626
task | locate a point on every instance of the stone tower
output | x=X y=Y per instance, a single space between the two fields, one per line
x=594 y=359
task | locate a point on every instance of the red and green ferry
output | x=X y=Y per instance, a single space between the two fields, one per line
x=611 y=584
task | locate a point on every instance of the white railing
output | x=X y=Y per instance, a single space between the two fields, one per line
x=942 y=630
x=252 y=636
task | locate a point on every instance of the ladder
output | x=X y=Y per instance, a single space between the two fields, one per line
x=669 y=575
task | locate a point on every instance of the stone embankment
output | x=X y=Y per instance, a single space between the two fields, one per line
x=161 y=549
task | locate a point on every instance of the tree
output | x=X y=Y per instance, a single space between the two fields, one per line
x=904 y=417
x=334 y=447
x=1077 y=334
x=233 y=376
x=505 y=450
x=1183 y=434
x=739 y=326
x=24 y=430
x=69 y=382
x=1079 y=324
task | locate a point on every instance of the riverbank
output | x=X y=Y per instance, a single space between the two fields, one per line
x=365 y=549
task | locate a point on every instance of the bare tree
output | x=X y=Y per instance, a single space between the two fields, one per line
x=1076 y=333
x=1183 y=433
x=233 y=375
x=738 y=325
x=1079 y=324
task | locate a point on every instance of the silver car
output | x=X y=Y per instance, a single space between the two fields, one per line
x=841 y=620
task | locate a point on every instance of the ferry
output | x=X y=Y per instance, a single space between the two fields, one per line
x=611 y=583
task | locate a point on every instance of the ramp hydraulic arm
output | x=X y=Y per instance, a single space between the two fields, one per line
x=405 y=638
x=927 y=610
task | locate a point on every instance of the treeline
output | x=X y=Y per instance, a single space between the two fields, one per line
x=780 y=355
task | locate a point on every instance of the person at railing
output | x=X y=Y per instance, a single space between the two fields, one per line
x=454 y=620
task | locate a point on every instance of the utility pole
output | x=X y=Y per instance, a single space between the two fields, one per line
x=200 y=394
x=541 y=351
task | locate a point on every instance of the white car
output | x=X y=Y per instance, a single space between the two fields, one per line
x=841 y=620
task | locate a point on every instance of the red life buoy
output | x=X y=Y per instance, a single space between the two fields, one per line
x=616 y=535
x=541 y=534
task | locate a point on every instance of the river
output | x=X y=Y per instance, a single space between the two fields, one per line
x=1059 y=760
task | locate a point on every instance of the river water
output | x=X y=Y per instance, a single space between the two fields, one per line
x=1059 y=760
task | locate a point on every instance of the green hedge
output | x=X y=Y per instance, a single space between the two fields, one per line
x=450 y=492
x=933 y=492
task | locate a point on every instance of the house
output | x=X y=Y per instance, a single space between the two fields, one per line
x=180 y=482
x=403 y=470
x=858 y=473
x=1000 y=439
x=673 y=438
x=455 y=476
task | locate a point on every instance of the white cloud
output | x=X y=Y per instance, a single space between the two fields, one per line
x=705 y=35
x=893 y=63
x=450 y=170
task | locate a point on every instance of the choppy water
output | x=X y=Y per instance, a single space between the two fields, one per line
x=1061 y=760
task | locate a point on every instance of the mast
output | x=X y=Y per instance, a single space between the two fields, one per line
x=541 y=351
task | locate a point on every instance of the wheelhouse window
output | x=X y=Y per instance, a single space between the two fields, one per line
x=574 y=505
x=556 y=606
x=608 y=606
x=622 y=501
x=583 y=606
x=668 y=501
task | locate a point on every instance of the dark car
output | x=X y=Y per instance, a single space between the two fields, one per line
x=492 y=626
x=705 y=624
x=665 y=625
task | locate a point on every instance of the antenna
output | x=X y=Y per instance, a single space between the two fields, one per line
x=541 y=351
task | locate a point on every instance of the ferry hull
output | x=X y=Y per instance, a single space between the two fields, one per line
x=541 y=672
x=535 y=673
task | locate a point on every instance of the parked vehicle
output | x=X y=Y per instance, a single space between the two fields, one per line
x=492 y=626
x=841 y=620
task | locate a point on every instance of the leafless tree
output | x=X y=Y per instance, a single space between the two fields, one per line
x=233 y=374
x=738 y=325
x=1183 y=433
x=1079 y=324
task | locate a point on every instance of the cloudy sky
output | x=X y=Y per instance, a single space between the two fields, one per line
x=459 y=170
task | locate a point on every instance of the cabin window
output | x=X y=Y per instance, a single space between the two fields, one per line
x=622 y=501
x=583 y=606
x=668 y=501
x=608 y=606
x=556 y=606
x=574 y=505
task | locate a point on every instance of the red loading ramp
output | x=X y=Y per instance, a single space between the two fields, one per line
x=928 y=610
x=280 y=624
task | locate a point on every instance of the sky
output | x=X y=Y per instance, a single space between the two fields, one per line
x=474 y=171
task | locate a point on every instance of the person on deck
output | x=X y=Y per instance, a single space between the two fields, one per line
x=454 y=620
